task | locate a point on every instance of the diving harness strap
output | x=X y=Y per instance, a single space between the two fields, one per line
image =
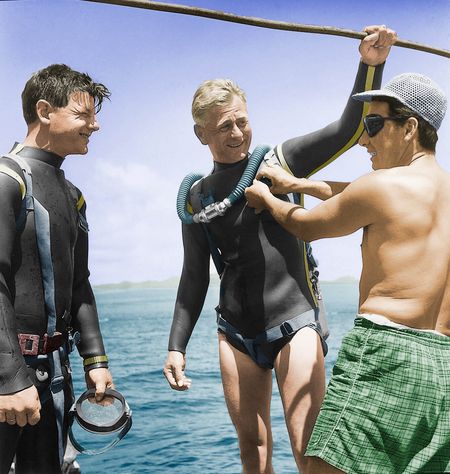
x=42 y=226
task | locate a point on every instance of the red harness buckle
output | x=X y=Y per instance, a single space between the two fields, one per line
x=29 y=344
x=33 y=344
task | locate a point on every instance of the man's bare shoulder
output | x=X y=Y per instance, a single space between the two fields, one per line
x=380 y=194
x=374 y=184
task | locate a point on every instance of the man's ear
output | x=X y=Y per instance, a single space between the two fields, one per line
x=200 y=133
x=43 y=109
x=411 y=128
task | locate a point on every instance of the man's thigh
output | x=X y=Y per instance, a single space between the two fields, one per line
x=300 y=372
x=9 y=435
x=247 y=388
x=37 y=450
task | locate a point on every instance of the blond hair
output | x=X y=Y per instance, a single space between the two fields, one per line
x=212 y=93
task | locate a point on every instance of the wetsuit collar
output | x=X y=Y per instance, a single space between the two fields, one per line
x=224 y=166
x=39 y=154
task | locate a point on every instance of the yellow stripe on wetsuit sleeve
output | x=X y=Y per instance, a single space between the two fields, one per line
x=80 y=202
x=4 y=169
x=367 y=86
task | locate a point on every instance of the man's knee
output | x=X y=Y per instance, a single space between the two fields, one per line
x=255 y=458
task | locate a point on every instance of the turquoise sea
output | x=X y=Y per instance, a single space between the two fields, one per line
x=183 y=432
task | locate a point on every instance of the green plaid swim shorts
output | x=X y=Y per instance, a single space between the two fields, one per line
x=387 y=407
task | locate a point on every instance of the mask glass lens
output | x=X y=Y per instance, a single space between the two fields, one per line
x=103 y=414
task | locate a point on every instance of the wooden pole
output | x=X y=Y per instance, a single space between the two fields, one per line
x=262 y=23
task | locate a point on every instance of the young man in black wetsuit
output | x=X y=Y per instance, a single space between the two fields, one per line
x=265 y=286
x=36 y=316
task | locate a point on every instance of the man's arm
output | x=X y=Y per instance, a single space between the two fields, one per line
x=85 y=320
x=19 y=400
x=191 y=295
x=281 y=182
x=305 y=155
x=354 y=208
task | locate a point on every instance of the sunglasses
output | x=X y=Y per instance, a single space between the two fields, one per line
x=374 y=123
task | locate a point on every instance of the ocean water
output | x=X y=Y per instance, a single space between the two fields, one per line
x=183 y=432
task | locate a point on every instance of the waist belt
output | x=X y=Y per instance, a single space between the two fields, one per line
x=33 y=344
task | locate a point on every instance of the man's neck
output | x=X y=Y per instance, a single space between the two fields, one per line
x=38 y=138
x=422 y=156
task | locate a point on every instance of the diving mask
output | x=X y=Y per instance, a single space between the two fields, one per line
x=97 y=426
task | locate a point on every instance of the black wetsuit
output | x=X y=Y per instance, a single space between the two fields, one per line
x=22 y=308
x=266 y=278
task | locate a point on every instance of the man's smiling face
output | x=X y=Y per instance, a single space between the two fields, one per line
x=71 y=126
x=227 y=131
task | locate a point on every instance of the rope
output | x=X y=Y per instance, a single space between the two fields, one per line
x=263 y=23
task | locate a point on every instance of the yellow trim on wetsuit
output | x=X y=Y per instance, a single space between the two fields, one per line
x=302 y=204
x=11 y=173
x=95 y=360
x=282 y=160
x=305 y=258
x=367 y=86
x=80 y=202
x=308 y=277
x=17 y=148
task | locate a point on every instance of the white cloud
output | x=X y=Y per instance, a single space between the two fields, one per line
x=135 y=232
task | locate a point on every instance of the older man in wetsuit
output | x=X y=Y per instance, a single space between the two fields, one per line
x=387 y=408
x=46 y=301
x=267 y=315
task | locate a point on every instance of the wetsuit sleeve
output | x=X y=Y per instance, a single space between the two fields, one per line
x=13 y=370
x=193 y=286
x=307 y=154
x=84 y=310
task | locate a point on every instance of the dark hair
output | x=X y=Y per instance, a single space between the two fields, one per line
x=55 y=84
x=427 y=133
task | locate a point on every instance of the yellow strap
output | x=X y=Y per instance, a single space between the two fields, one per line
x=4 y=169
x=80 y=202
x=95 y=360
x=17 y=148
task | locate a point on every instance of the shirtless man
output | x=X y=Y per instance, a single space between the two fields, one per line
x=387 y=408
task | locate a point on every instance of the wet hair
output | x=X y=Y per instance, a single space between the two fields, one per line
x=212 y=93
x=55 y=84
x=428 y=136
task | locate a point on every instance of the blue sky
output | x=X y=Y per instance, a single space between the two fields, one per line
x=154 y=61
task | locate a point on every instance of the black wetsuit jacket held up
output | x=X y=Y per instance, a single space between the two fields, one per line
x=22 y=308
x=266 y=278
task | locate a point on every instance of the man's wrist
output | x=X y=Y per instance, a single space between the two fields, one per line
x=368 y=64
x=269 y=199
x=298 y=186
x=95 y=362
